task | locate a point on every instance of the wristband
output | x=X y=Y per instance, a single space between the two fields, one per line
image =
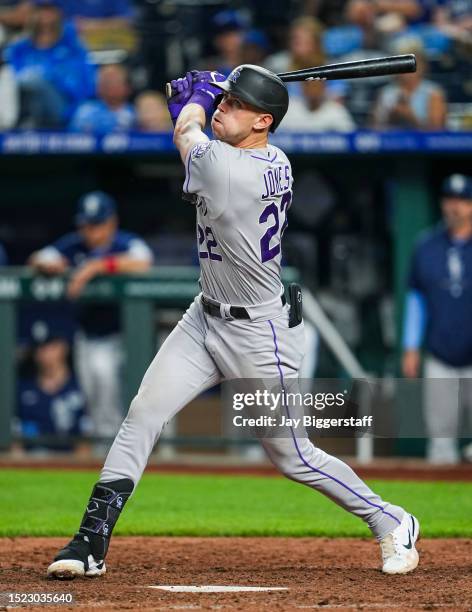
x=111 y=265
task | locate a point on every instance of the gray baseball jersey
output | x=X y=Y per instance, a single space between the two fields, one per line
x=243 y=196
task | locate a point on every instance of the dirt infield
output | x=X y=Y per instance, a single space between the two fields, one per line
x=319 y=573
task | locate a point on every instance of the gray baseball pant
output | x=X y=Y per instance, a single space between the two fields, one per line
x=199 y=353
x=447 y=398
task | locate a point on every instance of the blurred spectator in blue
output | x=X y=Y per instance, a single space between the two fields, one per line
x=411 y=101
x=454 y=18
x=438 y=307
x=112 y=111
x=50 y=404
x=152 y=114
x=316 y=112
x=9 y=107
x=255 y=47
x=98 y=247
x=51 y=69
x=228 y=27
x=3 y=256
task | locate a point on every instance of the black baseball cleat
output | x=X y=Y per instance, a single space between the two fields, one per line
x=76 y=560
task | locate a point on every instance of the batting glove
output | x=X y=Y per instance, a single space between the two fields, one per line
x=204 y=90
x=181 y=93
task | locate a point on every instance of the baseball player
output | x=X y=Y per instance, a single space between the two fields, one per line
x=239 y=326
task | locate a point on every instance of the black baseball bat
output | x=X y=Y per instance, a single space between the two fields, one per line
x=381 y=66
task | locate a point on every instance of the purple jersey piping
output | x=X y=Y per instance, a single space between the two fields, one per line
x=305 y=462
x=265 y=158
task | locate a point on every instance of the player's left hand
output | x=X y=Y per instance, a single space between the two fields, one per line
x=83 y=276
x=204 y=89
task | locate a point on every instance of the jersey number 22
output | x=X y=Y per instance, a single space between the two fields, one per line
x=271 y=211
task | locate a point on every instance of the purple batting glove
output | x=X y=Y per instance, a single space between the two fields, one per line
x=205 y=92
x=181 y=93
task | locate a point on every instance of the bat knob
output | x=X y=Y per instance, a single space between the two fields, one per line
x=168 y=90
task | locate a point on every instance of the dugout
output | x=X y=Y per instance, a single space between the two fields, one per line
x=362 y=196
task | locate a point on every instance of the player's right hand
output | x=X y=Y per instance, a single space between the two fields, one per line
x=205 y=92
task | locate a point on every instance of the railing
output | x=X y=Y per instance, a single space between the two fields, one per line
x=360 y=142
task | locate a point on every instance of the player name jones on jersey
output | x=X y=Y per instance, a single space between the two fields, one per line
x=277 y=192
x=276 y=181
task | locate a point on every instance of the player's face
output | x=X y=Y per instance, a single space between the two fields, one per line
x=96 y=235
x=457 y=212
x=234 y=120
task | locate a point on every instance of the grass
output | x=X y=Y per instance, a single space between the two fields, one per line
x=50 y=503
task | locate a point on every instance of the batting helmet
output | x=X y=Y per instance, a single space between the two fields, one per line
x=259 y=87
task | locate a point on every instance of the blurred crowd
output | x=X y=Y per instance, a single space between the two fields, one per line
x=101 y=65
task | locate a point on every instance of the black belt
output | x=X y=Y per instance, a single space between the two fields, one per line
x=236 y=312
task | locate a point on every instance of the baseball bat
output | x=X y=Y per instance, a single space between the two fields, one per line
x=381 y=66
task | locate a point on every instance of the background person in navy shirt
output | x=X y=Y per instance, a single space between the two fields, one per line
x=50 y=404
x=439 y=311
x=97 y=247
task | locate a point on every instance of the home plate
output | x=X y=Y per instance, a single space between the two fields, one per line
x=211 y=588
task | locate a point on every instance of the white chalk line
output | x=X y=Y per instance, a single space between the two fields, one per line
x=212 y=588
